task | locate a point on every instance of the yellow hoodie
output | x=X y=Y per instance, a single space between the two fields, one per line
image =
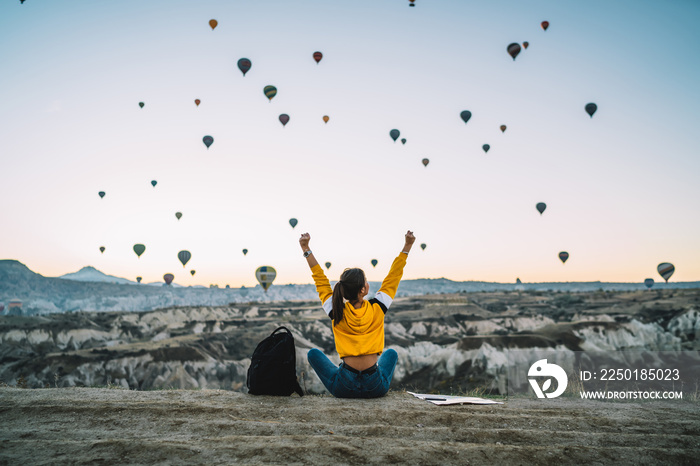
x=362 y=330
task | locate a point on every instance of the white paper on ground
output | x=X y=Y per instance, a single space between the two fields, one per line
x=454 y=400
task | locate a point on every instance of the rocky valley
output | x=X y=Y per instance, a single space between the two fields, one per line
x=453 y=343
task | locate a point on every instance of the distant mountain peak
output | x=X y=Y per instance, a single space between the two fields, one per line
x=91 y=274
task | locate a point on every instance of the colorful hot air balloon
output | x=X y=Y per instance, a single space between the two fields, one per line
x=411 y=2
x=244 y=65
x=102 y=249
x=154 y=183
x=423 y=246
x=486 y=148
x=513 y=50
x=141 y=104
x=245 y=251
x=139 y=249
x=563 y=256
x=591 y=108
x=325 y=118
x=403 y=141
x=265 y=275
x=208 y=141
x=425 y=162
x=465 y=115
x=544 y=24
x=503 y=128
x=293 y=222
x=138 y=279
x=318 y=56
x=541 y=206
x=374 y=262
x=178 y=215
x=168 y=277
x=284 y=119
x=328 y=265
x=192 y=272
x=526 y=45
x=184 y=257
x=666 y=269
x=197 y=102
x=101 y=194
x=648 y=282
x=270 y=92
x=394 y=133
x=213 y=23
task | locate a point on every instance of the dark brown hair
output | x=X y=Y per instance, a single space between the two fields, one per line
x=348 y=287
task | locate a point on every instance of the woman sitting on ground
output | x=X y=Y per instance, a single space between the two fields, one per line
x=358 y=328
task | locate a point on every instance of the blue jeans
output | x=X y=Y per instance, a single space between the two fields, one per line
x=345 y=382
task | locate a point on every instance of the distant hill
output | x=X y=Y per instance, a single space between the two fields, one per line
x=91 y=274
x=93 y=290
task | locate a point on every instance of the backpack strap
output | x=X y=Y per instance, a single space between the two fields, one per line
x=297 y=388
x=281 y=328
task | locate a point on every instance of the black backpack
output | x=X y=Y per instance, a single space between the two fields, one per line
x=273 y=367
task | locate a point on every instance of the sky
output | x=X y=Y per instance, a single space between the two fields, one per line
x=621 y=188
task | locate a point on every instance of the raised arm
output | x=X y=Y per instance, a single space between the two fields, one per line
x=390 y=285
x=323 y=286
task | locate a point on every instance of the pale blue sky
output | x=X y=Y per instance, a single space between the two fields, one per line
x=621 y=188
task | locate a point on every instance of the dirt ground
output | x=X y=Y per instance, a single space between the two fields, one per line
x=111 y=426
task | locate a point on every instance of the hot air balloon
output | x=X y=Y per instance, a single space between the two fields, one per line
x=168 y=277
x=503 y=128
x=648 y=282
x=197 y=102
x=423 y=246
x=411 y=2
x=486 y=148
x=403 y=141
x=245 y=251
x=178 y=215
x=154 y=183
x=544 y=24
x=244 y=65
x=526 y=45
x=563 y=256
x=325 y=118
x=141 y=104
x=284 y=119
x=465 y=115
x=184 y=257
x=102 y=249
x=265 y=275
x=394 y=133
x=425 y=162
x=138 y=279
x=374 y=262
x=541 y=206
x=293 y=222
x=208 y=141
x=213 y=23
x=270 y=92
x=318 y=56
x=139 y=249
x=666 y=269
x=591 y=108
x=101 y=194
x=513 y=50
x=192 y=272
x=328 y=265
